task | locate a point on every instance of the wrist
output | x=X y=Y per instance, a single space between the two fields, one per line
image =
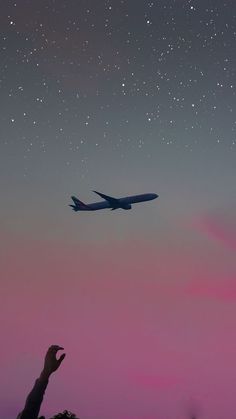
x=44 y=376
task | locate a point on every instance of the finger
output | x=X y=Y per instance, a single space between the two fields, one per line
x=56 y=348
x=61 y=359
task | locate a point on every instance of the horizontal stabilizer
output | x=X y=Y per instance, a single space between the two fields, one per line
x=78 y=203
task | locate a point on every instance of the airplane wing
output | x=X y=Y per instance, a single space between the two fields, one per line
x=114 y=202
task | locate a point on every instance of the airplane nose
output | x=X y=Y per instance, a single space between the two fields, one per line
x=153 y=196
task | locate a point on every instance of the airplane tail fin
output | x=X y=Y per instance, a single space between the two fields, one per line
x=78 y=205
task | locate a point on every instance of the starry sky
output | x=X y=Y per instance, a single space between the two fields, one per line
x=124 y=97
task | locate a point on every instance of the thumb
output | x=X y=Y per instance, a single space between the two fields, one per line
x=61 y=359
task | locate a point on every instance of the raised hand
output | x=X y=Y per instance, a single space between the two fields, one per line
x=51 y=363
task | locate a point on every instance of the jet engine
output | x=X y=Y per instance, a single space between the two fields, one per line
x=126 y=207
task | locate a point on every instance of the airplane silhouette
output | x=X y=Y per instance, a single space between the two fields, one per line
x=110 y=202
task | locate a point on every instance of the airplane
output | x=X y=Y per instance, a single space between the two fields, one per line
x=110 y=202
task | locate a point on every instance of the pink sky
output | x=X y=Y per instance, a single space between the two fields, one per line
x=146 y=326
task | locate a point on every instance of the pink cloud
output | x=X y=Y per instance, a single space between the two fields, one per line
x=220 y=226
x=223 y=289
x=154 y=381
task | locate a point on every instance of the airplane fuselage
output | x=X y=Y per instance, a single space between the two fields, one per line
x=124 y=203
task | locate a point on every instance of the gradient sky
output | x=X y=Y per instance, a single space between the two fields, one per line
x=124 y=97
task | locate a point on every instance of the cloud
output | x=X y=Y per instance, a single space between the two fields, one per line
x=223 y=289
x=219 y=226
x=154 y=381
